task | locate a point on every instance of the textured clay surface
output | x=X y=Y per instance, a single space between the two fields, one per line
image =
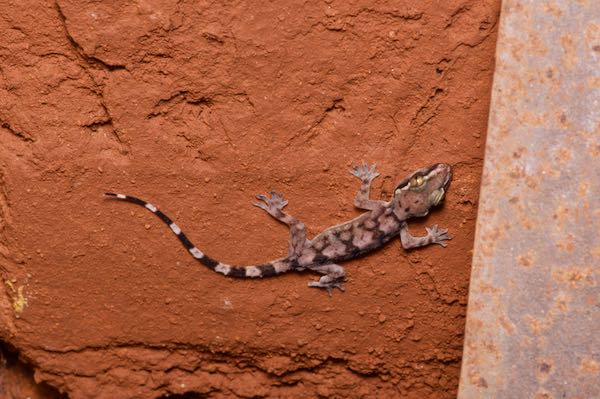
x=197 y=107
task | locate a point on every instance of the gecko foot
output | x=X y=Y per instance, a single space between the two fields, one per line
x=365 y=172
x=333 y=278
x=438 y=236
x=273 y=204
x=328 y=286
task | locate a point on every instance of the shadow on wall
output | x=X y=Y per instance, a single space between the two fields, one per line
x=16 y=378
x=187 y=395
x=17 y=382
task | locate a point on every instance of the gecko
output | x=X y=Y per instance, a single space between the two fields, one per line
x=413 y=197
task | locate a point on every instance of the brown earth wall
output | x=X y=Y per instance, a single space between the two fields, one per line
x=197 y=106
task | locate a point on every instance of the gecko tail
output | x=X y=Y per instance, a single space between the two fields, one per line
x=264 y=270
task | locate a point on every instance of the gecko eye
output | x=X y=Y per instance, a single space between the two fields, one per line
x=417 y=181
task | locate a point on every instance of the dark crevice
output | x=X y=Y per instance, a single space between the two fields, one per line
x=89 y=59
x=337 y=105
x=22 y=135
x=187 y=395
x=92 y=61
x=429 y=109
x=164 y=105
x=96 y=125
x=184 y=95
x=16 y=378
x=200 y=101
x=211 y=37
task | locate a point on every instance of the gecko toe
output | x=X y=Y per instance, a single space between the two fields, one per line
x=328 y=286
x=272 y=203
x=364 y=171
x=260 y=205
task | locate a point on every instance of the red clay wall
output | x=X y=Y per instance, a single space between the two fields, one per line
x=197 y=106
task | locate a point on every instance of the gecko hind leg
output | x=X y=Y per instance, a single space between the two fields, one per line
x=274 y=205
x=334 y=276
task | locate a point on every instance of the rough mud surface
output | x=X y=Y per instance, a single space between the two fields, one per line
x=197 y=107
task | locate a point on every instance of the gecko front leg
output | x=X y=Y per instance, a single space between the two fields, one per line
x=366 y=175
x=334 y=276
x=434 y=236
x=274 y=207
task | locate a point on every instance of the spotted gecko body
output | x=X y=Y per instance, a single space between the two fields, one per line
x=413 y=197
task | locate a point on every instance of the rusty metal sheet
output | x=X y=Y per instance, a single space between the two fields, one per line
x=533 y=324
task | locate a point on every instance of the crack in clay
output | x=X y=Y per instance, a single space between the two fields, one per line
x=18 y=133
x=166 y=105
x=89 y=59
x=92 y=61
x=233 y=369
x=211 y=37
x=298 y=362
x=95 y=125
x=433 y=103
x=338 y=23
x=109 y=121
x=336 y=105
x=407 y=16
x=490 y=27
x=457 y=14
x=223 y=356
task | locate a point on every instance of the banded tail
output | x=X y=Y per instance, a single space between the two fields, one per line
x=265 y=270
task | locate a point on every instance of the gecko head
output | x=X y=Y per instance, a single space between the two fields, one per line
x=423 y=189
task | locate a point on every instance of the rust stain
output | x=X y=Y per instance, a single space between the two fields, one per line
x=583 y=190
x=575 y=276
x=507 y=325
x=543 y=370
x=566 y=244
x=543 y=394
x=595 y=252
x=481 y=382
x=592 y=35
x=553 y=8
x=563 y=120
x=594 y=150
x=519 y=152
x=589 y=366
x=478 y=380
x=535 y=326
x=561 y=302
x=570 y=58
x=561 y=214
x=545 y=367
x=563 y=154
x=532 y=182
x=527 y=223
x=527 y=259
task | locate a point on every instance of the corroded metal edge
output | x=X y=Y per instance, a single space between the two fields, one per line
x=533 y=324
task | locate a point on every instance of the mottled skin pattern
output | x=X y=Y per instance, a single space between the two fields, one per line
x=413 y=197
